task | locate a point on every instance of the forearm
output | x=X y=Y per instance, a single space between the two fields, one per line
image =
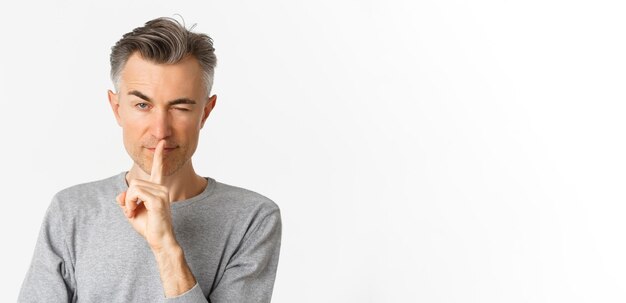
x=176 y=276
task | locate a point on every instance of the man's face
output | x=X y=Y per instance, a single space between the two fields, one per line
x=158 y=101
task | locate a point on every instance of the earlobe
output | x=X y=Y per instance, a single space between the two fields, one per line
x=115 y=105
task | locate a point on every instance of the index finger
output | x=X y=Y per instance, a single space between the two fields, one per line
x=156 y=175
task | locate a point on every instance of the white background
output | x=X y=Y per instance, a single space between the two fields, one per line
x=420 y=151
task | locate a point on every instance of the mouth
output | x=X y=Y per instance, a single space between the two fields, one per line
x=165 y=150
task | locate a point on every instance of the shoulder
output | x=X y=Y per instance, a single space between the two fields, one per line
x=244 y=201
x=253 y=217
x=88 y=193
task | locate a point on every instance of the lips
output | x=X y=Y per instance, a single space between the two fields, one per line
x=167 y=149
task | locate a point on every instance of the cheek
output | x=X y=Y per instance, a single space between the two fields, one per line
x=132 y=137
x=133 y=123
x=186 y=125
x=186 y=133
x=131 y=130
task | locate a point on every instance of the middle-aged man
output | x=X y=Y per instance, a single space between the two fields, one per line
x=158 y=232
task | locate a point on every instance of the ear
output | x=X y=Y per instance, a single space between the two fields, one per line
x=207 y=109
x=115 y=106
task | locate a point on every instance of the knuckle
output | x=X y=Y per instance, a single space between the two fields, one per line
x=139 y=182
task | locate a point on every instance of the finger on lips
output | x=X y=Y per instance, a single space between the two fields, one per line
x=129 y=199
x=156 y=175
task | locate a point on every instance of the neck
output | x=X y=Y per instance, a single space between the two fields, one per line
x=182 y=185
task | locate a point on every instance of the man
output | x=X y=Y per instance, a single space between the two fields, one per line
x=158 y=232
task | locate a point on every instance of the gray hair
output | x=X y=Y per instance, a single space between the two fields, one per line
x=164 y=41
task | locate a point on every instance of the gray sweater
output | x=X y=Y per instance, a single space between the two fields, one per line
x=87 y=251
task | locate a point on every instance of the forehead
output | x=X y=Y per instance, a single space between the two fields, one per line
x=182 y=79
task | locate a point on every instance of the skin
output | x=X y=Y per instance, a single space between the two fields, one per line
x=161 y=127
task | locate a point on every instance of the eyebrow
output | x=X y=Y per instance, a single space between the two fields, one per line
x=173 y=102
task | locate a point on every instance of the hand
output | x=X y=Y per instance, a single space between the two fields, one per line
x=146 y=204
x=147 y=207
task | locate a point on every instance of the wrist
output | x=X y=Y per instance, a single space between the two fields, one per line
x=167 y=245
x=168 y=251
x=176 y=275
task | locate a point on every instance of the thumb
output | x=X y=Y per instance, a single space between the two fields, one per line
x=121 y=197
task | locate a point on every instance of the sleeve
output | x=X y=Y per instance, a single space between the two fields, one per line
x=194 y=295
x=250 y=273
x=50 y=277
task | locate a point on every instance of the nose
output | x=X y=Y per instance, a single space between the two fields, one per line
x=161 y=126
